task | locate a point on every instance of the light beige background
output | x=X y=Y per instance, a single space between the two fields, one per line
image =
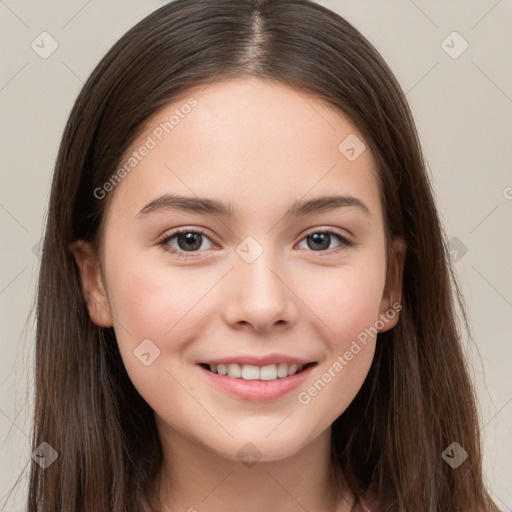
x=463 y=110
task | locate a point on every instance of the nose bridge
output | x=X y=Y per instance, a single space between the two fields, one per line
x=261 y=297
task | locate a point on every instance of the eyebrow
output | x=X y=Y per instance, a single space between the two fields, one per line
x=218 y=208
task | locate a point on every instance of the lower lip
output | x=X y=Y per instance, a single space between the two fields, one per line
x=257 y=390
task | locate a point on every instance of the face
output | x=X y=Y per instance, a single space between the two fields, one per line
x=285 y=294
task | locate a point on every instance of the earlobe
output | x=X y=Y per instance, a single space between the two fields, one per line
x=392 y=296
x=93 y=288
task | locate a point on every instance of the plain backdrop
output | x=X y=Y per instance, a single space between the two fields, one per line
x=451 y=58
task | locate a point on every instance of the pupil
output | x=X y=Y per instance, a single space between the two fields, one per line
x=192 y=240
x=318 y=238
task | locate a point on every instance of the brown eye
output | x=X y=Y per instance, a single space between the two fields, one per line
x=186 y=241
x=320 y=241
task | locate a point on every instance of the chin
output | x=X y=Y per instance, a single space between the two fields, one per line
x=260 y=449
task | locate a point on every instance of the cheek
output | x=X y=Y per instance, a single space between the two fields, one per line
x=146 y=304
x=338 y=379
x=150 y=298
x=346 y=308
x=346 y=302
x=151 y=320
x=156 y=303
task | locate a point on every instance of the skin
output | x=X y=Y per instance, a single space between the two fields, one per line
x=260 y=146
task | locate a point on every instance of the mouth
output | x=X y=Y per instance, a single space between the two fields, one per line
x=255 y=383
x=250 y=372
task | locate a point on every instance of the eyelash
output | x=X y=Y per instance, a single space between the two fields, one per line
x=163 y=242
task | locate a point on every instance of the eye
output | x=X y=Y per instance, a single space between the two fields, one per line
x=187 y=240
x=319 y=241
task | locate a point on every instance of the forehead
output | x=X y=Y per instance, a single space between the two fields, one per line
x=252 y=142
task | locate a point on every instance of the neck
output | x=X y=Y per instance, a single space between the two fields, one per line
x=193 y=479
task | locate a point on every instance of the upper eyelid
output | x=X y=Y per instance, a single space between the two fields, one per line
x=336 y=231
x=178 y=231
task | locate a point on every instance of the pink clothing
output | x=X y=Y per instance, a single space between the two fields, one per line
x=145 y=505
x=368 y=505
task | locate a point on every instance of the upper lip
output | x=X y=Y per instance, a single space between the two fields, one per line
x=258 y=360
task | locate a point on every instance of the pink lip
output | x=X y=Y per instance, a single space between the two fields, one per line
x=259 y=360
x=257 y=390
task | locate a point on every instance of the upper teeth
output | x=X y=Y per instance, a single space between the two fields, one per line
x=251 y=372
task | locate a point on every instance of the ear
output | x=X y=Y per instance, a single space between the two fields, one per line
x=392 y=295
x=92 y=283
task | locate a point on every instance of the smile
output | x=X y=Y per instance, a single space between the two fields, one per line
x=253 y=382
x=253 y=372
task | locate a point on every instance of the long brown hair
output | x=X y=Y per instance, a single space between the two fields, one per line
x=417 y=399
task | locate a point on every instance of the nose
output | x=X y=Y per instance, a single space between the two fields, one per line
x=260 y=295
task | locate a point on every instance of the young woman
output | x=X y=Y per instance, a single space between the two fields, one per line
x=245 y=299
